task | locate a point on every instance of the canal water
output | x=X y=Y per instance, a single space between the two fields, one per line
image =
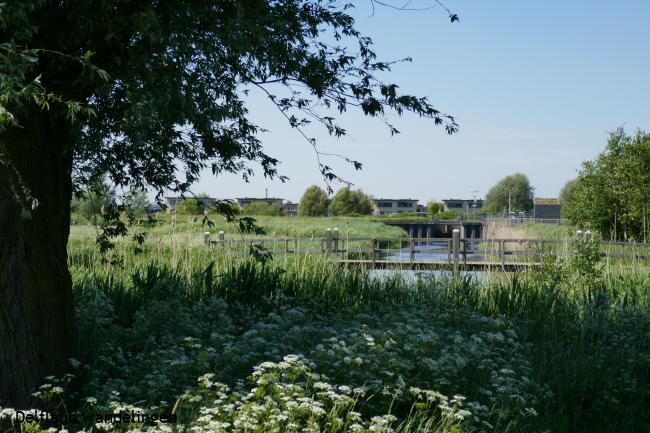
x=426 y=252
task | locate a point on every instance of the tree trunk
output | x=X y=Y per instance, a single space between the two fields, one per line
x=37 y=332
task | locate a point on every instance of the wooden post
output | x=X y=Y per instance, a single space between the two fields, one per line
x=463 y=251
x=206 y=239
x=328 y=240
x=286 y=245
x=222 y=235
x=502 y=251
x=335 y=236
x=449 y=248
x=411 y=250
x=374 y=257
x=588 y=236
x=455 y=238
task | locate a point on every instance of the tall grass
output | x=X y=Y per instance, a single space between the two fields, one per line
x=569 y=341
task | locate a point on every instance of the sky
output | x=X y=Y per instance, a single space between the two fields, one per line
x=535 y=87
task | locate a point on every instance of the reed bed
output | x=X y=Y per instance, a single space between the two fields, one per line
x=301 y=344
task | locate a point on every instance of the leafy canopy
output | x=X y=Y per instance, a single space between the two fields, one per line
x=350 y=202
x=262 y=208
x=155 y=92
x=612 y=192
x=314 y=202
x=513 y=192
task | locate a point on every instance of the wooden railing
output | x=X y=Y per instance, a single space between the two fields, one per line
x=452 y=251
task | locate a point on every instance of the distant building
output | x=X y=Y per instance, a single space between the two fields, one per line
x=389 y=206
x=462 y=205
x=290 y=208
x=172 y=202
x=546 y=208
x=243 y=201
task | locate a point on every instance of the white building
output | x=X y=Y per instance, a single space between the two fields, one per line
x=390 y=206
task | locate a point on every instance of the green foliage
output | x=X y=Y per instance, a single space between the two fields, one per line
x=189 y=206
x=435 y=207
x=262 y=208
x=136 y=202
x=314 y=202
x=552 y=349
x=93 y=204
x=569 y=203
x=514 y=189
x=447 y=215
x=350 y=202
x=612 y=192
x=170 y=83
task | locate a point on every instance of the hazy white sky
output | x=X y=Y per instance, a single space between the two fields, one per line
x=535 y=87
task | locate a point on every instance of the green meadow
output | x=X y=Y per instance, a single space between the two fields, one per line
x=225 y=343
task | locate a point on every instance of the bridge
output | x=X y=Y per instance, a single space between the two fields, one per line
x=439 y=228
x=453 y=253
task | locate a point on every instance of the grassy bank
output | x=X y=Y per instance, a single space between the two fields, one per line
x=300 y=344
x=191 y=228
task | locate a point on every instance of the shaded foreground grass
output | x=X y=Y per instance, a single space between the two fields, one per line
x=301 y=344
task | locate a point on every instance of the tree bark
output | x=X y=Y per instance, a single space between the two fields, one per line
x=37 y=332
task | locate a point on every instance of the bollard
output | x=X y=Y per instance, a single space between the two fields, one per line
x=206 y=239
x=222 y=236
x=455 y=241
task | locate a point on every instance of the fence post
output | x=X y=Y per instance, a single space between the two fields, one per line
x=411 y=250
x=206 y=239
x=579 y=235
x=455 y=237
x=328 y=240
x=222 y=235
x=335 y=236
x=374 y=257
x=449 y=248
x=588 y=236
x=502 y=251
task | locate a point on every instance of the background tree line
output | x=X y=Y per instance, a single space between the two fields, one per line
x=346 y=202
x=612 y=193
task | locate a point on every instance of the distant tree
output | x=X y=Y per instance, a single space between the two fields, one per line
x=514 y=189
x=350 y=202
x=435 y=207
x=189 y=206
x=136 y=202
x=569 y=200
x=90 y=203
x=612 y=192
x=314 y=202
